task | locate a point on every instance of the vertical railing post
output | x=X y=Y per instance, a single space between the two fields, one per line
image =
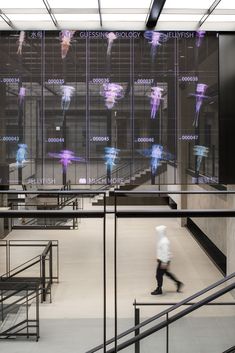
x=37 y=314
x=137 y=331
x=50 y=268
x=27 y=311
x=167 y=334
x=43 y=259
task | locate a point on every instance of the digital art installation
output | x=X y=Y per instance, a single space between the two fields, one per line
x=66 y=157
x=111 y=37
x=65 y=37
x=200 y=97
x=200 y=152
x=156 y=154
x=199 y=37
x=21 y=96
x=156 y=96
x=155 y=39
x=21 y=154
x=67 y=92
x=21 y=42
x=111 y=92
x=110 y=156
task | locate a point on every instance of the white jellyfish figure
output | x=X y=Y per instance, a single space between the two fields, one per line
x=111 y=92
x=111 y=37
x=65 y=37
x=156 y=97
x=67 y=92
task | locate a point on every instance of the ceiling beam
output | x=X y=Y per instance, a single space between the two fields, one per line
x=6 y=19
x=155 y=12
x=209 y=12
x=47 y=6
x=99 y=9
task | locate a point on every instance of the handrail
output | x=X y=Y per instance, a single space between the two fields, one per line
x=164 y=312
x=5 y=275
x=172 y=319
x=230 y=350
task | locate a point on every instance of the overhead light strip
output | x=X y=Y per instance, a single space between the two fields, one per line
x=6 y=19
x=99 y=9
x=50 y=13
x=209 y=12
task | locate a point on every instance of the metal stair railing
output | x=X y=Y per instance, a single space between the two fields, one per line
x=14 y=313
x=165 y=323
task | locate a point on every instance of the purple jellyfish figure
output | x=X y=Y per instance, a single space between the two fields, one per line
x=21 y=95
x=110 y=156
x=21 y=154
x=155 y=39
x=66 y=158
x=200 y=96
x=67 y=92
x=200 y=151
x=21 y=42
x=111 y=37
x=65 y=37
x=156 y=157
x=199 y=36
x=111 y=92
x=156 y=97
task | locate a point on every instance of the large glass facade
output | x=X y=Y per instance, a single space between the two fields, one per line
x=108 y=107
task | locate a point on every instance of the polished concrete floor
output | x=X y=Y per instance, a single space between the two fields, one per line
x=73 y=322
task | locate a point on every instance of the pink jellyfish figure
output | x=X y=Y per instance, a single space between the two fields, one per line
x=65 y=37
x=111 y=37
x=155 y=39
x=199 y=36
x=111 y=92
x=200 y=96
x=156 y=97
x=21 y=95
x=21 y=42
x=67 y=92
x=66 y=157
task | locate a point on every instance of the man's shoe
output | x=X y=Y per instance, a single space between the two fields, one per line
x=179 y=286
x=156 y=291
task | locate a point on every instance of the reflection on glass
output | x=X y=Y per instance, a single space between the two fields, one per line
x=65 y=37
x=21 y=42
x=67 y=92
x=200 y=151
x=110 y=156
x=111 y=92
x=66 y=158
x=111 y=37
x=21 y=154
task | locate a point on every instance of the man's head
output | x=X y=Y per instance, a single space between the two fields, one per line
x=161 y=230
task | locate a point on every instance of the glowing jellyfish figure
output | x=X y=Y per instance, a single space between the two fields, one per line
x=155 y=39
x=67 y=92
x=111 y=92
x=199 y=36
x=65 y=37
x=21 y=154
x=200 y=151
x=66 y=157
x=156 y=157
x=156 y=97
x=21 y=42
x=110 y=156
x=111 y=37
x=200 y=96
x=21 y=95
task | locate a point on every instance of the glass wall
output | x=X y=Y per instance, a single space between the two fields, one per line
x=108 y=107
